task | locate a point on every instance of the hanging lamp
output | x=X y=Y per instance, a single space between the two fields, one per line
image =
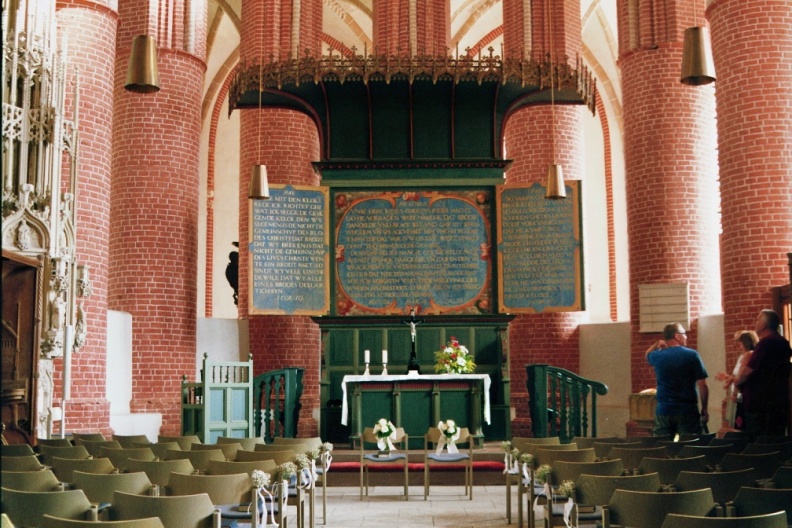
x=143 y=73
x=259 y=187
x=698 y=68
x=555 y=188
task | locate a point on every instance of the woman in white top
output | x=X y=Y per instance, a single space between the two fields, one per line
x=745 y=340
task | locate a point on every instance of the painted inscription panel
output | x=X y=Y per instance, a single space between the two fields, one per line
x=423 y=250
x=289 y=251
x=539 y=250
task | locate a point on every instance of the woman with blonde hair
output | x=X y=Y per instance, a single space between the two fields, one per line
x=746 y=341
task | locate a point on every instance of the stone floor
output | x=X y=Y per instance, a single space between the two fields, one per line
x=385 y=506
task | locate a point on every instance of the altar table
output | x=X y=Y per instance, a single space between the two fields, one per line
x=416 y=402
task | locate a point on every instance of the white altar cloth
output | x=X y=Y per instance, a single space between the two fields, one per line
x=424 y=377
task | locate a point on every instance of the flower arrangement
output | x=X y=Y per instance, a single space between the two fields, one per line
x=259 y=479
x=567 y=489
x=454 y=359
x=449 y=429
x=301 y=461
x=542 y=473
x=384 y=428
x=287 y=470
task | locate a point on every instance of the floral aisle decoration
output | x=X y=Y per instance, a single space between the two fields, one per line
x=449 y=437
x=305 y=474
x=386 y=433
x=261 y=480
x=542 y=473
x=510 y=464
x=567 y=489
x=454 y=359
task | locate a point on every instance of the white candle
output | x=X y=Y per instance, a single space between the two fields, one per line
x=366 y=356
x=68 y=342
x=384 y=356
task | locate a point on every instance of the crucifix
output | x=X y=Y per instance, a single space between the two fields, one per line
x=413 y=322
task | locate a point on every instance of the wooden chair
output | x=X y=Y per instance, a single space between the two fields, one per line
x=295 y=448
x=159 y=471
x=724 y=485
x=64 y=468
x=782 y=478
x=631 y=456
x=44 y=480
x=11 y=450
x=49 y=521
x=764 y=465
x=566 y=470
x=738 y=444
x=601 y=449
x=597 y=490
x=279 y=456
x=431 y=458
x=27 y=508
x=230 y=467
x=46 y=453
x=228 y=450
x=160 y=449
x=712 y=454
x=672 y=447
x=519 y=441
x=248 y=444
x=187 y=511
x=20 y=463
x=93 y=446
x=760 y=501
x=121 y=457
x=703 y=438
x=199 y=459
x=185 y=442
x=584 y=442
x=370 y=458
x=784 y=448
x=551 y=456
x=771 y=520
x=669 y=468
x=128 y=441
x=648 y=509
x=53 y=442
x=99 y=488
x=91 y=437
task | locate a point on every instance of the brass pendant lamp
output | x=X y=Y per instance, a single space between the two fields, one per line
x=698 y=68
x=555 y=188
x=143 y=73
x=259 y=187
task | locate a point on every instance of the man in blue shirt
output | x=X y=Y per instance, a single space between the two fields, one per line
x=679 y=373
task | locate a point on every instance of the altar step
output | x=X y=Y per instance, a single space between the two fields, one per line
x=487 y=470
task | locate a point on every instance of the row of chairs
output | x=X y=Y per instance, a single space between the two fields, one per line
x=649 y=458
x=174 y=476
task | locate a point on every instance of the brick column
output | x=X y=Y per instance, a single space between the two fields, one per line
x=752 y=49
x=287 y=142
x=551 y=338
x=90 y=30
x=671 y=170
x=154 y=233
x=410 y=27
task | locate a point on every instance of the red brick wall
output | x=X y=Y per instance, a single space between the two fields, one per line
x=154 y=214
x=90 y=29
x=752 y=48
x=672 y=189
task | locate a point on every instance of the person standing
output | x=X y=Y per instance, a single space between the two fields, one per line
x=746 y=341
x=764 y=382
x=680 y=372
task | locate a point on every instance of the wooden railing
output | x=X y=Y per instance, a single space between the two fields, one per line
x=276 y=403
x=562 y=403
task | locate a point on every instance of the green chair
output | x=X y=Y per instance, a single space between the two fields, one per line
x=185 y=442
x=64 y=468
x=44 y=480
x=566 y=470
x=763 y=464
x=771 y=520
x=597 y=490
x=93 y=446
x=248 y=444
x=91 y=437
x=187 y=511
x=631 y=456
x=647 y=509
x=759 y=501
x=20 y=463
x=198 y=458
x=48 y=452
x=229 y=450
x=121 y=457
x=724 y=484
x=27 y=508
x=229 y=467
x=713 y=454
x=12 y=450
x=50 y=521
x=99 y=487
x=129 y=440
x=601 y=449
x=782 y=478
x=669 y=468
x=160 y=449
x=159 y=471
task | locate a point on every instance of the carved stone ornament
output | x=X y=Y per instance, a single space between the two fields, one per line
x=23 y=236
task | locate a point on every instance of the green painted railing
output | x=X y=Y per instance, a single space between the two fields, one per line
x=562 y=403
x=276 y=403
